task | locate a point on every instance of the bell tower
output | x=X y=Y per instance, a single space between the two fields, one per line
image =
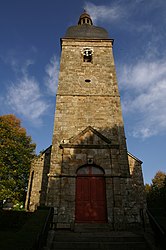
x=88 y=92
x=91 y=178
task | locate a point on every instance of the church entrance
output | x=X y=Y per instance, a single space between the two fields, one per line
x=90 y=195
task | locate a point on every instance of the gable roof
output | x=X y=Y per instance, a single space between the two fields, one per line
x=89 y=132
x=88 y=138
x=134 y=157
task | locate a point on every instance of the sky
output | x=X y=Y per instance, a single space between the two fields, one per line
x=30 y=33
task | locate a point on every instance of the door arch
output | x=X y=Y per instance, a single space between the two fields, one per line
x=90 y=195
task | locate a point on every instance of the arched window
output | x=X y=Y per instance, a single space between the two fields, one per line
x=90 y=170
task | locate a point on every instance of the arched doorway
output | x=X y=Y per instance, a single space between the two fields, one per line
x=90 y=195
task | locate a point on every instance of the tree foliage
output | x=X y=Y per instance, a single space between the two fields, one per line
x=16 y=153
x=156 y=192
x=158 y=181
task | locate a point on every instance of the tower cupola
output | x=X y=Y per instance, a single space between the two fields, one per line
x=85 y=19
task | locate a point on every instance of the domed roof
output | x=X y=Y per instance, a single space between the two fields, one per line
x=85 y=29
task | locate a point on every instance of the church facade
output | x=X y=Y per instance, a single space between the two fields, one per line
x=88 y=175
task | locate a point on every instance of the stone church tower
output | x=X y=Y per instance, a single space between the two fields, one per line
x=87 y=175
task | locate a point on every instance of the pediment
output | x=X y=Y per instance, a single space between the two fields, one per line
x=88 y=136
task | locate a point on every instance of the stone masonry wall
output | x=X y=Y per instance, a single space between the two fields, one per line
x=38 y=181
x=137 y=182
x=80 y=104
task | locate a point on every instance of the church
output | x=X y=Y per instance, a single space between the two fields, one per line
x=87 y=174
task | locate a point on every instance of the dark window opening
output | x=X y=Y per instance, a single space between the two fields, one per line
x=87 y=55
x=87 y=80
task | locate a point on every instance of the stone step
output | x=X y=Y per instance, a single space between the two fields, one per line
x=65 y=239
x=100 y=245
x=102 y=237
x=90 y=227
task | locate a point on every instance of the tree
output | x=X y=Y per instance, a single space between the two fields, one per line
x=159 y=180
x=16 y=154
x=156 y=192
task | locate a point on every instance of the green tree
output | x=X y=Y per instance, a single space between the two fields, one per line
x=16 y=154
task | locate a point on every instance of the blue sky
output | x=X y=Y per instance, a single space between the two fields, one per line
x=29 y=62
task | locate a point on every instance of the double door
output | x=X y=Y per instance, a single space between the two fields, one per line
x=90 y=199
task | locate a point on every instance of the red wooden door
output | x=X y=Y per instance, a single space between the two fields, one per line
x=90 y=199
